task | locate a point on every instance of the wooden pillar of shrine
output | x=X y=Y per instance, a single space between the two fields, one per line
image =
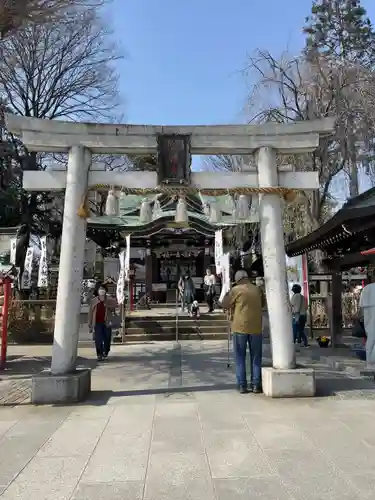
x=207 y=256
x=336 y=309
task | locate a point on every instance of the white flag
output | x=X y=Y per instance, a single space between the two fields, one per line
x=43 y=264
x=13 y=246
x=26 y=276
x=218 y=250
x=127 y=256
x=120 y=294
x=225 y=275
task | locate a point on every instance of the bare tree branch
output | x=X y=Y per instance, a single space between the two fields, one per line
x=53 y=71
x=15 y=14
x=63 y=71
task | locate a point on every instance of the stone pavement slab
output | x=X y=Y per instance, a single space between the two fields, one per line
x=264 y=488
x=132 y=490
x=164 y=421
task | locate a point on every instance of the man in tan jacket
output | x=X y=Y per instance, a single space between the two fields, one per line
x=245 y=302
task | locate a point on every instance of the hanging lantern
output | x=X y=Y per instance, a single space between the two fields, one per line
x=206 y=210
x=254 y=203
x=157 y=211
x=181 y=211
x=145 y=215
x=215 y=213
x=111 y=204
x=243 y=208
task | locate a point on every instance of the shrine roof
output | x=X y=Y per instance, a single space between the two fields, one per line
x=356 y=217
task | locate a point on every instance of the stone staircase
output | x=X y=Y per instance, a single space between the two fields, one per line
x=160 y=323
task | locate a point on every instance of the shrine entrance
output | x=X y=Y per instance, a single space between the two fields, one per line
x=264 y=182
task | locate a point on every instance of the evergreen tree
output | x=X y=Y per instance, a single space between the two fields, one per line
x=341 y=39
x=340 y=29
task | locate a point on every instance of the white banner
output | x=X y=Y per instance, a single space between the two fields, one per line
x=218 y=250
x=225 y=275
x=13 y=246
x=26 y=276
x=43 y=264
x=120 y=290
x=124 y=271
x=127 y=256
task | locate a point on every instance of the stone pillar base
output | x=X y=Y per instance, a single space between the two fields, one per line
x=61 y=389
x=293 y=383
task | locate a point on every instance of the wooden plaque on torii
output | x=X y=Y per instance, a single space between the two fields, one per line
x=174 y=160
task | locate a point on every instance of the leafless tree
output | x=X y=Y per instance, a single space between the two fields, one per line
x=60 y=71
x=54 y=71
x=304 y=90
x=16 y=14
x=291 y=89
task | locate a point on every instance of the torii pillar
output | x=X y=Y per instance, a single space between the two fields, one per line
x=72 y=256
x=65 y=383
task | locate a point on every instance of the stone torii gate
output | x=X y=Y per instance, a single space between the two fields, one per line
x=81 y=140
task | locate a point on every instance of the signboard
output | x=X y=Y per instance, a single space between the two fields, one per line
x=174 y=159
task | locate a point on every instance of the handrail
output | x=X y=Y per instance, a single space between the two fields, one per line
x=177 y=304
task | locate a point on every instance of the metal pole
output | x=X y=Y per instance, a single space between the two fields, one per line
x=311 y=319
x=229 y=335
x=123 y=320
x=177 y=315
x=4 y=329
x=131 y=295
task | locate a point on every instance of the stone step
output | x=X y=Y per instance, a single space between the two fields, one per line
x=172 y=329
x=170 y=305
x=172 y=319
x=204 y=318
x=172 y=324
x=162 y=336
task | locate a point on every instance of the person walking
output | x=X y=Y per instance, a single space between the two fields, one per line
x=188 y=293
x=180 y=287
x=245 y=303
x=299 y=313
x=100 y=315
x=367 y=308
x=210 y=289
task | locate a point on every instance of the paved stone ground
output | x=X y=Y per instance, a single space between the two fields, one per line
x=164 y=422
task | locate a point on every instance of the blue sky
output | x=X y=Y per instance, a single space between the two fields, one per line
x=184 y=57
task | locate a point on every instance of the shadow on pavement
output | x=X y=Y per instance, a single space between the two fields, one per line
x=329 y=383
x=101 y=397
x=25 y=366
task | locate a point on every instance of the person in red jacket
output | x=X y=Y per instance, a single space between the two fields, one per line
x=100 y=314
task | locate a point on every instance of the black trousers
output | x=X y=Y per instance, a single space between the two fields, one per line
x=210 y=301
x=103 y=335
